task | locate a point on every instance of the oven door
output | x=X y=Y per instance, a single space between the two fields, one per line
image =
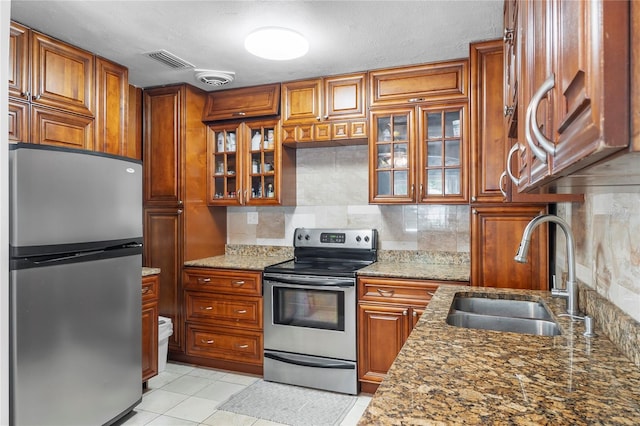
x=310 y=315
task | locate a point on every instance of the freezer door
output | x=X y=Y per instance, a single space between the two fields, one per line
x=75 y=336
x=61 y=196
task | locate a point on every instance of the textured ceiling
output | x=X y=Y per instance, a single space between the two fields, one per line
x=344 y=36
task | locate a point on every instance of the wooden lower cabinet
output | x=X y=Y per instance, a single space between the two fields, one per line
x=150 y=288
x=388 y=310
x=223 y=318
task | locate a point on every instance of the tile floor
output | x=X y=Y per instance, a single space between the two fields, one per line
x=184 y=395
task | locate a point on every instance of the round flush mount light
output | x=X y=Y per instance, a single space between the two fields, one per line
x=276 y=43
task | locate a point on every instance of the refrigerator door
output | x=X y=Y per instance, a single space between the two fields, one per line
x=75 y=340
x=61 y=198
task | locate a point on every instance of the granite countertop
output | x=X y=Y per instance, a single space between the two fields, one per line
x=417 y=270
x=149 y=271
x=237 y=261
x=452 y=375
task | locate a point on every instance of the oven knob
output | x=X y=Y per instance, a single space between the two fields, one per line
x=300 y=236
x=366 y=239
x=307 y=237
x=358 y=238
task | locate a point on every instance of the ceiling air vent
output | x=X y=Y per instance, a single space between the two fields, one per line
x=215 y=78
x=169 y=59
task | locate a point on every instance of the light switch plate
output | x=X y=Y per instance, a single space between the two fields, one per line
x=252 y=218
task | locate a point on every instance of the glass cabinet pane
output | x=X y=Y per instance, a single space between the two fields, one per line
x=384 y=183
x=434 y=125
x=452 y=124
x=452 y=181
x=434 y=182
x=452 y=152
x=434 y=154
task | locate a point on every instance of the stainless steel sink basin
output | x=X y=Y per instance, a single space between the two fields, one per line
x=537 y=327
x=510 y=315
x=501 y=307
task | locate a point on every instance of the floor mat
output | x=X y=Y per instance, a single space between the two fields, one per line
x=291 y=405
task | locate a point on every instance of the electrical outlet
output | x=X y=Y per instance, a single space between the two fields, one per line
x=252 y=218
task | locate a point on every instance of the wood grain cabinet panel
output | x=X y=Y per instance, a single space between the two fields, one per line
x=18 y=61
x=225 y=344
x=244 y=103
x=150 y=287
x=18 y=121
x=112 y=104
x=223 y=281
x=55 y=127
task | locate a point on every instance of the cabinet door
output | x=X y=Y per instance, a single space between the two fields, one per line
x=225 y=164
x=60 y=128
x=263 y=165
x=344 y=97
x=112 y=94
x=512 y=42
x=61 y=75
x=18 y=61
x=162 y=153
x=391 y=156
x=496 y=233
x=301 y=101
x=18 y=121
x=258 y=101
x=383 y=329
x=442 y=154
x=591 y=82
x=163 y=249
x=149 y=340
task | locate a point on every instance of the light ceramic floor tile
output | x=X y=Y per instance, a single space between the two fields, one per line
x=162 y=379
x=194 y=409
x=170 y=421
x=225 y=418
x=159 y=401
x=173 y=367
x=261 y=422
x=206 y=373
x=219 y=391
x=240 y=379
x=138 y=418
x=354 y=415
x=187 y=385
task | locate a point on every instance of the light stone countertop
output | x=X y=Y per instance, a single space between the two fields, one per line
x=250 y=263
x=450 y=375
x=417 y=270
x=149 y=271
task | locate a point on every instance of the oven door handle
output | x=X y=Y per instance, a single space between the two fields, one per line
x=312 y=281
x=322 y=364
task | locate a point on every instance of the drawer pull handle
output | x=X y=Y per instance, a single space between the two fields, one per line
x=241 y=311
x=416 y=99
x=242 y=346
x=430 y=293
x=145 y=290
x=204 y=280
x=206 y=308
x=385 y=293
x=237 y=283
x=208 y=342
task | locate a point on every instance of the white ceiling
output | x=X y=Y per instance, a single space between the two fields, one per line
x=344 y=36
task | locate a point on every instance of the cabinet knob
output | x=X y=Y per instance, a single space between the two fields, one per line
x=145 y=290
x=26 y=95
x=474 y=199
x=405 y=313
x=415 y=314
x=180 y=202
x=38 y=96
x=179 y=211
x=318 y=118
x=508 y=110
x=474 y=211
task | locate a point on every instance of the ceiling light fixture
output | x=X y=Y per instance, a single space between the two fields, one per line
x=276 y=43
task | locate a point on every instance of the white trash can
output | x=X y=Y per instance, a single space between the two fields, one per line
x=165 y=330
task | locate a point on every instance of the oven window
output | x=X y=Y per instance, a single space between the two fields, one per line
x=322 y=309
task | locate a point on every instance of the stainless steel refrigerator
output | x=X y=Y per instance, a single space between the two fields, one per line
x=75 y=286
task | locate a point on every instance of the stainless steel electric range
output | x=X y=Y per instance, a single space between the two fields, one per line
x=310 y=309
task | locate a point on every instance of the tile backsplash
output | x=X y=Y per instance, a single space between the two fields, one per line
x=607 y=233
x=332 y=192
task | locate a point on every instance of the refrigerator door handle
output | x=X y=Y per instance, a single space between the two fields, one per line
x=72 y=256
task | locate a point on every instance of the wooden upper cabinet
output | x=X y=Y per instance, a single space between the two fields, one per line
x=345 y=97
x=302 y=101
x=62 y=76
x=431 y=82
x=233 y=104
x=18 y=61
x=112 y=103
x=162 y=149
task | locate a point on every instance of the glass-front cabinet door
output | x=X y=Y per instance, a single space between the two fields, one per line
x=224 y=165
x=391 y=156
x=442 y=155
x=262 y=176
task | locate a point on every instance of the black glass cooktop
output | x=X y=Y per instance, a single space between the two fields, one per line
x=318 y=267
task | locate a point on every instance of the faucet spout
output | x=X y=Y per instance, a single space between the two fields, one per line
x=571 y=292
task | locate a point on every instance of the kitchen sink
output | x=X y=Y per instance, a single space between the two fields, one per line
x=502 y=307
x=509 y=315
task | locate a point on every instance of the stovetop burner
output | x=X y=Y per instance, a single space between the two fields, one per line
x=330 y=252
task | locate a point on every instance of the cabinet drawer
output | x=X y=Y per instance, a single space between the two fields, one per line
x=224 y=310
x=430 y=82
x=396 y=291
x=223 y=281
x=150 y=287
x=227 y=344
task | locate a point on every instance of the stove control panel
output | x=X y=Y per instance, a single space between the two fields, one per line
x=342 y=238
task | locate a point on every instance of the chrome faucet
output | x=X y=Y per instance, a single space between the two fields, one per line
x=571 y=289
